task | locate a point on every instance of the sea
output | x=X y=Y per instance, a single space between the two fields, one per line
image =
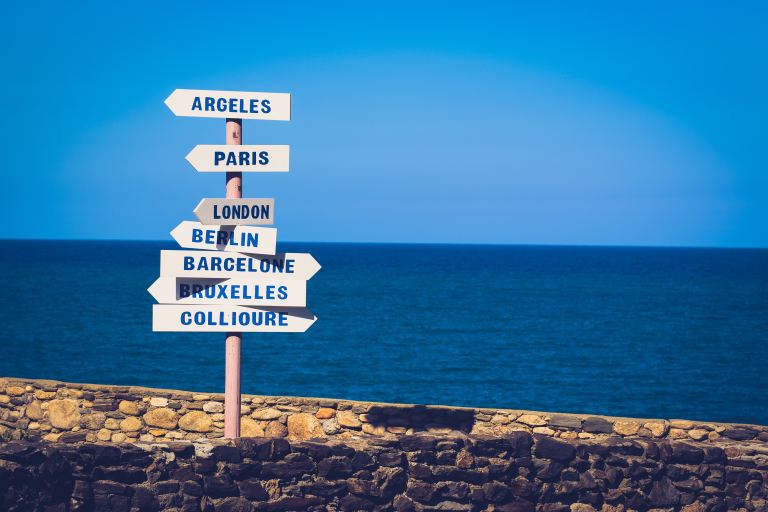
x=623 y=331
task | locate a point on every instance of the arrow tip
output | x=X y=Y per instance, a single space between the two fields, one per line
x=176 y=232
x=154 y=290
x=310 y=324
x=170 y=100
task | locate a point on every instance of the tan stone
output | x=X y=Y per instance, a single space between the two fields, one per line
x=213 y=407
x=119 y=437
x=532 y=420
x=698 y=434
x=131 y=424
x=626 y=428
x=128 y=407
x=146 y=438
x=681 y=424
x=162 y=417
x=713 y=436
x=325 y=413
x=104 y=435
x=677 y=433
x=378 y=430
x=464 y=459
x=586 y=435
x=303 y=426
x=44 y=395
x=200 y=397
x=111 y=424
x=74 y=393
x=250 y=428
x=51 y=438
x=500 y=419
x=196 y=421
x=4 y=399
x=158 y=401
x=33 y=425
x=14 y=390
x=157 y=432
x=569 y=435
x=657 y=428
x=34 y=410
x=276 y=429
x=582 y=507
x=93 y=421
x=543 y=430
x=397 y=430
x=217 y=417
x=266 y=414
x=348 y=419
x=63 y=414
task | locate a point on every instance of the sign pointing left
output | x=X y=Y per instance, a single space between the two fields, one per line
x=268 y=106
x=248 y=239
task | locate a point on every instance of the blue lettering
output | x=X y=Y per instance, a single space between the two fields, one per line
x=196 y=105
x=197 y=235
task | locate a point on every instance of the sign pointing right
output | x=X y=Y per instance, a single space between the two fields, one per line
x=227 y=264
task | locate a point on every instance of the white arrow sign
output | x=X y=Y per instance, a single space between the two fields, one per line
x=230 y=104
x=235 y=212
x=212 y=158
x=218 y=318
x=238 y=291
x=283 y=266
x=193 y=235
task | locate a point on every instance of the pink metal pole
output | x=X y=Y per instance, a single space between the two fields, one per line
x=234 y=339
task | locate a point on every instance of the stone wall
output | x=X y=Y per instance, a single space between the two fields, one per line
x=517 y=472
x=57 y=411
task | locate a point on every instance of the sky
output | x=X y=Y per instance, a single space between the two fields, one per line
x=596 y=123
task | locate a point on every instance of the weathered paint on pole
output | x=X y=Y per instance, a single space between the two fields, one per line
x=212 y=158
x=284 y=265
x=234 y=188
x=235 y=212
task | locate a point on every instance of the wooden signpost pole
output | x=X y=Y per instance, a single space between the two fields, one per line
x=234 y=339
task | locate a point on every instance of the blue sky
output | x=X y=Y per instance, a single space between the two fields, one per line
x=539 y=122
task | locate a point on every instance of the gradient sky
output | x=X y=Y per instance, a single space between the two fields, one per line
x=538 y=122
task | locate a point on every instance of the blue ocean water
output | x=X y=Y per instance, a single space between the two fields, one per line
x=647 y=332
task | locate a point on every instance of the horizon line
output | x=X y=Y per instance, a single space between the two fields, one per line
x=491 y=244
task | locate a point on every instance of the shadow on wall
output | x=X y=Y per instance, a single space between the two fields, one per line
x=399 y=419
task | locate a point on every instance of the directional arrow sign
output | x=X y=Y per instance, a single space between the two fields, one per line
x=235 y=212
x=193 y=235
x=209 y=158
x=219 y=318
x=238 y=291
x=230 y=104
x=282 y=266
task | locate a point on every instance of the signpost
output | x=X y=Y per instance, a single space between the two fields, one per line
x=236 y=283
x=220 y=318
x=207 y=158
x=193 y=235
x=235 y=212
x=227 y=264
x=232 y=105
x=238 y=290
